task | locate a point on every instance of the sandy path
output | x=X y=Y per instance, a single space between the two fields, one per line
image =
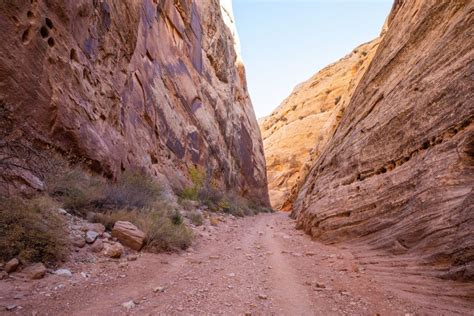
x=259 y=266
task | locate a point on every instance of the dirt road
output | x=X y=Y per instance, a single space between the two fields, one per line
x=259 y=266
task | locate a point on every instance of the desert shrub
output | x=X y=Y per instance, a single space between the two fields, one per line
x=77 y=191
x=198 y=177
x=164 y=229
x=196 y=218
x=83 y=193
x=31 y=230
x=131 y=191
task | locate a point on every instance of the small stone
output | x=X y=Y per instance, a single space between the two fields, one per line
x=3 y=275
x=85 y=275
x=296 y=254
x=231 y=275
x=12 y=265
x=214 y=257
x=132 y=258
x=286 y=237
x=320 y=285
x=123 y=265
x=106 y=235
x=345 y=293
x=310 y=253
x=129 y=305
x=35 y=271
x=262 y=296
x=159 y=289
x=79 y=242
x=97 y=246
x=248 y=314
x=11 y=307
x=62 y=211
x=63 y=272
x=114 y=251
x=309 y=283
x=91 y=236
x=96 y=227
x=214 y=221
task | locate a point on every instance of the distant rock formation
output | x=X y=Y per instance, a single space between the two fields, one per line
x=295 y=133
x=149 y=85
x=398 y=173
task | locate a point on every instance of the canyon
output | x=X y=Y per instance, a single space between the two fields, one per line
x=370 y=163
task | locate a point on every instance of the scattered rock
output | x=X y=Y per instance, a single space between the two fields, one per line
x=159 y=289
x=231 y=275
x=123 y=265
x=214 y=221
x=214 y=257
x=85 y=275
x=129 y=235
x=132 y=258
x=3 y=275
x=310 y=253
x=114 y=250
x=62 y=211
x=35 y=271
x=129 y=305
x=106 y=235
x=262 y=296
x=63 y=273
x=97 y=246
x=10 y=307
x=320 y=285
x=12 y=265
x=79 y=242
x=91 y=236
x=96 y=227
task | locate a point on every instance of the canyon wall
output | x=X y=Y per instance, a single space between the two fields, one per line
x=150 y=85
x=308 y=117
x=398 y=173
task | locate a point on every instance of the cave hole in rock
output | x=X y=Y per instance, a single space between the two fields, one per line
x=51 y=42
x=49 y=23
x=25 y=36
x=44 y=32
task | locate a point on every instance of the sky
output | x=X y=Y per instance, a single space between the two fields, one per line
x=285 y=42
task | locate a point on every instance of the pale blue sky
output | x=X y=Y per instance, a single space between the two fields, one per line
x=284 y=42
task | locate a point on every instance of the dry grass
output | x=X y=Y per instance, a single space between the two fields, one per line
x=32 y=230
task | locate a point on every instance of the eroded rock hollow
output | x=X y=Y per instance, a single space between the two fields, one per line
x=150 y=85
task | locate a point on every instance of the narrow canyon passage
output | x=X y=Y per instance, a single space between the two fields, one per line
x=256 y=265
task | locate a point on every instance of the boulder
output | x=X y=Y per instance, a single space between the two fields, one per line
x=12 y=265
x=35 y=271
x=114 y=251
x=129 y=235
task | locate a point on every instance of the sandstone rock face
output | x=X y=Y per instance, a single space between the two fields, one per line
x=129 y=235
x=307 y=117
x=150 y=85
x=398 y=174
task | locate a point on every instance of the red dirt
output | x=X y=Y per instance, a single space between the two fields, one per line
x=229 y=269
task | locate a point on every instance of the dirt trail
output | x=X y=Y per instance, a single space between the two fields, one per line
x=259 y=266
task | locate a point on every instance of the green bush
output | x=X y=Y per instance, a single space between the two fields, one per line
x=32 y=230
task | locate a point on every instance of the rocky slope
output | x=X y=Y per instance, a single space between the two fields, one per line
x=307 y=117
x=149 y=85
x=398 y=173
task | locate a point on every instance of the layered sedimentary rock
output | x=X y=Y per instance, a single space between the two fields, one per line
x=150 y=85
x=294 y=134
x=398 y=174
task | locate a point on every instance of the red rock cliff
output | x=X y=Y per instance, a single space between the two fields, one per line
x=398 y=174
x=155 y=85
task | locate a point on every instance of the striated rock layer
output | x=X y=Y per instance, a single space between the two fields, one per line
x=307 y=117
x=153 y=85
x=398 y=174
